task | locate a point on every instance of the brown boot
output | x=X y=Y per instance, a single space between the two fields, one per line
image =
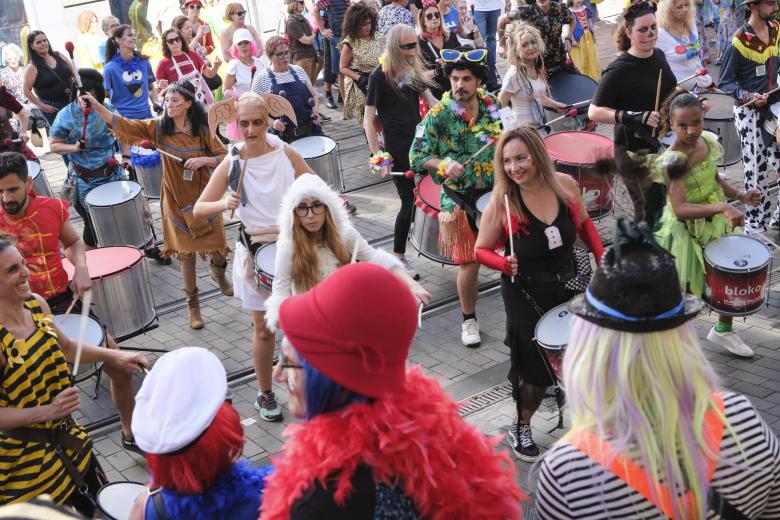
x=193 y=303
x=218 y=275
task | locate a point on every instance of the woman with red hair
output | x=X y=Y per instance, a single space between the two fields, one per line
x=193 y=439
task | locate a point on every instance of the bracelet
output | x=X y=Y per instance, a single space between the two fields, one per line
x=379 y=160
x=441 y=169
x=618 y=116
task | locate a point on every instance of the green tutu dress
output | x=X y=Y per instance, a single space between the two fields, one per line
x=686 y=239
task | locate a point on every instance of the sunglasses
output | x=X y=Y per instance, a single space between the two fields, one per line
x=474 y=55
x=318 y=208
x=194 y=6
x=408 y=46
x=240 y=13
x=176 y=39
x=431 y=16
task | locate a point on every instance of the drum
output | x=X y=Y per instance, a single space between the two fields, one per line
x=719 y=119
x=552 y=335
x=737 y=272
x=570 y=89
x=265 y=265
x=118 y=213
x=770 y=125
x=575 y=154
x=148 y=165
x=322 y=154
x=115 y=499
x=40 y=182
x=94 y=335
x=482 y=203
x=121 y=293
x=424 y=234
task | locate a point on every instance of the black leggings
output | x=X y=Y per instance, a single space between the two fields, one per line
x=403 y=221
x=89 y=230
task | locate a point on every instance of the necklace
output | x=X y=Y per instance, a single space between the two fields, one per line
x=484 y=131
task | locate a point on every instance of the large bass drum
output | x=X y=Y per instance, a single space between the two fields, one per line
x=118 y=211
x=40 y=182
x=425 y=228
x=322 y=154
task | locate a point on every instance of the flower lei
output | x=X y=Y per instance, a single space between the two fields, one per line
x=379 y=161
x=407 y=78
x=484 y=132
x=130 y=65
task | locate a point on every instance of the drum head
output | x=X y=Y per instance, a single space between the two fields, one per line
x=572 y=88
x=552 y=330
x=70 y=326
x=33 y=169
x=721 y=107
x=579 y=147
x=116 y=499
x=482 y=202
x=113 y=193
x=668 y=139
x=105 y=261
x=737 y=253
x=430 y=192
x=775 y=109
x=265 y=259
x=314 y=146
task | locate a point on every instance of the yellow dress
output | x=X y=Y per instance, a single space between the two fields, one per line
x=585 y=55
x=365 y=57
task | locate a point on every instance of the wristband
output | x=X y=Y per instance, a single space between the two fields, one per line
x=442 y=168
x=379 y=160
x=489 y=258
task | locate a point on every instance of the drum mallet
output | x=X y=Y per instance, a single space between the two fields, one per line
x=485 y=147
x=509 y=229
x=147 y=144
x=569 y=113
x=86 y=301
x=409 y=174
x=658 y=96
x=754 y=100
x=701 y=72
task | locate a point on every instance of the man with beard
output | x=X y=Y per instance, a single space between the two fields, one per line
x=748 y=72
x=40 y=225
x=453 y=133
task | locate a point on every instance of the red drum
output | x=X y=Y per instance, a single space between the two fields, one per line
x=121 y=291
x=575 y=154
x=552 y=336
x=737 y=272
x=425 y=228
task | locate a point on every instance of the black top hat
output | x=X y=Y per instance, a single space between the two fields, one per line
x=635 y=287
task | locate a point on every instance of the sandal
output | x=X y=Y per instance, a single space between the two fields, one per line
x=130 y=445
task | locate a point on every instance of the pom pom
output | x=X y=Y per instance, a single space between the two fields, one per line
x=146 y=143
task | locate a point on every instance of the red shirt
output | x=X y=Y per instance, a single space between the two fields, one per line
x=166 y=69
x=206 y=40
x=37 y=235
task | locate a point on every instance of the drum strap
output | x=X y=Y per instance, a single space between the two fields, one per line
x=158 y=503
x=467 y=202
x=246 y=241
x=103 y=171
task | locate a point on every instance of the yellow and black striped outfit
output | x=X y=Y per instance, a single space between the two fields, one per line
x=35 y=372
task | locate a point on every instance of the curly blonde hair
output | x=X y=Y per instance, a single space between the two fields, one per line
x=665 y=18
x=514 y=33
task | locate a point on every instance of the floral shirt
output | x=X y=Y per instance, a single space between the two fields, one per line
x=391 y=15
x=550 y=25
x=445 y=133
x=13 y=82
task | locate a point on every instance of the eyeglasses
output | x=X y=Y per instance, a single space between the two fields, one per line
x=282 y=54
x=239 y=13
x=113 y=26
x=171 y=41
x=474 y=55
x=408 y=46
x=431 y=16
x=285 y=363
x=194 y=6
x=318 y=208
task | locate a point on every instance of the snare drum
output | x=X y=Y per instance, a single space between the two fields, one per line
x=719 y=119
x=482 y=203
x=118 y=211
x=121 y=291
x=424 y=234
x=575 y=154
x=148 y=164
x=265 y=265
x=40 y=182
x=737 y=272
x=115 y=499
x=95 y=335
x=552 y=335
x=570 y=89
x=322 y=154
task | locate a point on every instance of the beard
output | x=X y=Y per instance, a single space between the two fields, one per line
x=13 y=208
x=462 y=96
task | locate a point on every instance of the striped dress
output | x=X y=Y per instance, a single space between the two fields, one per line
x=35 y=372
x=572 y=486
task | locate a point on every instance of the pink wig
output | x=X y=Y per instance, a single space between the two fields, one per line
x=252 y=50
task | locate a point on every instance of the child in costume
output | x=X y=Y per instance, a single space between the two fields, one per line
x=583 y=51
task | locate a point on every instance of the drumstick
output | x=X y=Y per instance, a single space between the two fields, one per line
x=579 y=103
x=701 y=72
x=658 y=95
x=149 y=146
x=70 y=307
x=754 y=100
x=419 y=317
x=488 y=144
x=509 y=229
x=354 y=252
x=86 y=301
x=570 y=113
x=409 y=174
x=240 y=182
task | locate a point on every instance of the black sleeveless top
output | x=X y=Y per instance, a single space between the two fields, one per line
x=48 y=86
x=533 y=252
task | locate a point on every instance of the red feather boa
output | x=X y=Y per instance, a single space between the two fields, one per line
x=416 y=438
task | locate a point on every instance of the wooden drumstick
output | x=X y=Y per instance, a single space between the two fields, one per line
x=754 y=100
x=238 y=186
x=72 y=304
x=658 y=96
x=419 y=316
x=86 y=301
x=488 y=144
x=509 y=229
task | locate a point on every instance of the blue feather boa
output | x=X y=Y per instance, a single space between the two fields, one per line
x=242 y=484
x=144 y=160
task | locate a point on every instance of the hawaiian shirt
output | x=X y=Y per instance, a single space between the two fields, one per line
x=443 y=133
x=100 y=142
x=550 y=25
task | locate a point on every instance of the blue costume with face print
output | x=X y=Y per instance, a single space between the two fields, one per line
x=127 y=84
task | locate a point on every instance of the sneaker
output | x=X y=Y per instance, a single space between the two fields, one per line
x=730 y=341
x=470 y=334
x=154 y=254
x=330 y=102
x=351 y=208
x=130 y=445
x=268 y=408
x=411 y=271
x=522 y=442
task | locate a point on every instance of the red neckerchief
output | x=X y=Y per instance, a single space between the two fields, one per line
x=429 y=36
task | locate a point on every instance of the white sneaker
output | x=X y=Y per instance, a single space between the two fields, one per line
x=470 y=334
x=730 y=341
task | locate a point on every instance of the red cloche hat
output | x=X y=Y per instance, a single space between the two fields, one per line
x=355 y=327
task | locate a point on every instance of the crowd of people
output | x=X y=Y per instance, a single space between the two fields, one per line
x=653 y=431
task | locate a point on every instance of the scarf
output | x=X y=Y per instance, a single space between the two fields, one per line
x=429 y=36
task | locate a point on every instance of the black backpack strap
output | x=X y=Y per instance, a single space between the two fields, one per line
x=158 y=503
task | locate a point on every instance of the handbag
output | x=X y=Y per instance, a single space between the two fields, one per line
x=583 y=271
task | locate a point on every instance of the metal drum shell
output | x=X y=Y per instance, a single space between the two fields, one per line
x=552 y=336
x=570 y=89
x=752 y=279
x=323 y=158
x=40 y=182
x=120 y=224
x=264 y=263
x=720 y=121
x=424 y=234
x=150 y=176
